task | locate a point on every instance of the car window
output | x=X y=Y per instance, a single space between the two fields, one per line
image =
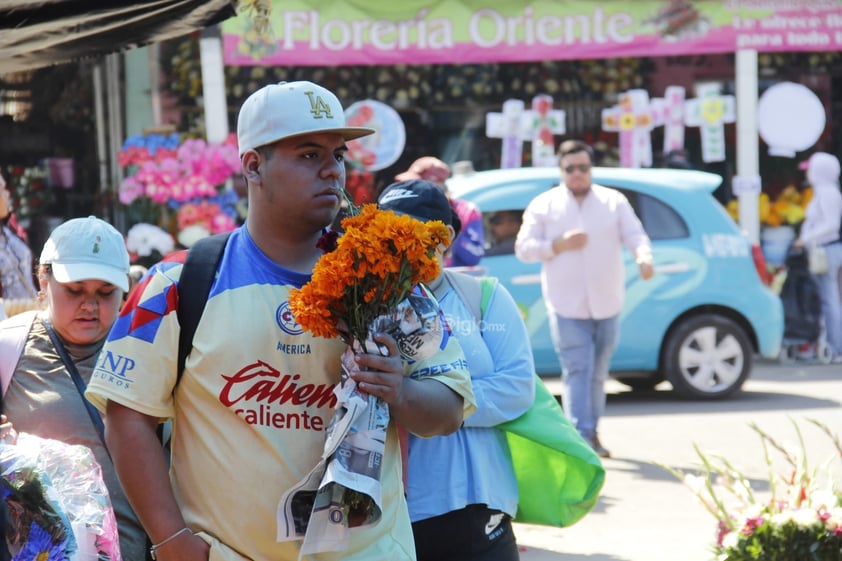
x=660 y=220
x=501 y=228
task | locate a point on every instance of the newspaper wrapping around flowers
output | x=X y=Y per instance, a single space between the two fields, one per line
x=342 y=491
x=58 y=504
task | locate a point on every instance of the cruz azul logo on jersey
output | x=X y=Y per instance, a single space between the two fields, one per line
x=286 y=321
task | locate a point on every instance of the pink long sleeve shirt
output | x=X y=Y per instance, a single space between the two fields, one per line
x=586 y=283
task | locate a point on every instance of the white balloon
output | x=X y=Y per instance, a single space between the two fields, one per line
x=790 y=118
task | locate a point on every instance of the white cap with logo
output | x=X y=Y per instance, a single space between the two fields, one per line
x=286 y=109
x=87 y=248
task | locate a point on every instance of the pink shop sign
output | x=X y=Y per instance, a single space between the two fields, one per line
x=307 y=33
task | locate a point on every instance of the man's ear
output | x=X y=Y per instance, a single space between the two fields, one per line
x=251 y=166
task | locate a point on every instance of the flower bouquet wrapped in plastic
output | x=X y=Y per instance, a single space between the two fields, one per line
x=371 y=281
x=57 y=503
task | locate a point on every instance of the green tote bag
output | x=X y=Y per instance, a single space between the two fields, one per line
x=559 y=476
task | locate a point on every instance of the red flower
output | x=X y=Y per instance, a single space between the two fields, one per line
x=327 y=242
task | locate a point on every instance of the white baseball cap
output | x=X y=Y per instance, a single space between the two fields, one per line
x=287 y=109
x=87 y=248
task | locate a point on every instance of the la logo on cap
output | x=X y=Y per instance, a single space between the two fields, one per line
x=318 y=106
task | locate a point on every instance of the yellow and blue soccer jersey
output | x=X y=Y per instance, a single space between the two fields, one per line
x=251 y=409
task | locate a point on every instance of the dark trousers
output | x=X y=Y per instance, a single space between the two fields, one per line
x=474 y=533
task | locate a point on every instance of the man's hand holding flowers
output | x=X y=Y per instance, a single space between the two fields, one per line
x=384 y=377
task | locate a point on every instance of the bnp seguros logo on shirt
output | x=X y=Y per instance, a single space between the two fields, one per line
x=114 y=369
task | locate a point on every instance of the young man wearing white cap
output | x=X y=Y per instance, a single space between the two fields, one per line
x=83 y=273
x=251 y=409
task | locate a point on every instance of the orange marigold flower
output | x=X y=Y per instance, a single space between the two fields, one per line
x=377 y=261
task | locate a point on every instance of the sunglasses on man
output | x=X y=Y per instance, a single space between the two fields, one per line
x=582 y=168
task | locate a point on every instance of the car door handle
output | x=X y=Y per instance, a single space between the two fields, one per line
x=527 y=279
x=672 y=268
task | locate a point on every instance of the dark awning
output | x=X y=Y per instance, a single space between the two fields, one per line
x=37 y=33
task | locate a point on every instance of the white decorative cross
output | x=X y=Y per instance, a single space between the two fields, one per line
x=633 y=118
x=507 y=125
x=673 y=118
x=539 y=125
x=711 y=111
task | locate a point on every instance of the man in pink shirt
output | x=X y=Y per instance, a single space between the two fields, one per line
x=577 y=230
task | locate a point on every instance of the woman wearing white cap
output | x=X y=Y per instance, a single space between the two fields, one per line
x=83 y=273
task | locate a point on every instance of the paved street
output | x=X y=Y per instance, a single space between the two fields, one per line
x=644 y=514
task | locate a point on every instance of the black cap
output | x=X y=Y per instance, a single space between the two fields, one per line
x=417 y=198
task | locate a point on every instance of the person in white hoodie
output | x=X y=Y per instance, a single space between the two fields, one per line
x=821 y=226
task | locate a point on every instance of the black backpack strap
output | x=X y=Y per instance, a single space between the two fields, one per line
x=193 y=288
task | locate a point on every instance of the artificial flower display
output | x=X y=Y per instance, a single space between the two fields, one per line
x=139 y=149
x=57 y=502
x=209 y=214
x=176 y=184
x=802 y=519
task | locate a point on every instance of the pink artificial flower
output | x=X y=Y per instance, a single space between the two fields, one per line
x=178 y=191
x=751 y=524
x=196 y=186
x=722 y=530
x=166 y=154
x=133 y=156
x=192 y=149
x=187 y=216
x=222 y=223
x=160 y=188
x=208 y=210
x=130 y=189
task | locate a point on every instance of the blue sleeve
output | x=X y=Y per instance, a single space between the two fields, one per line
x=509 y=390
x=469 y=246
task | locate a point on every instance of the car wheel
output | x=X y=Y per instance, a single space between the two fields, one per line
x=707 y=357
x=640 y=384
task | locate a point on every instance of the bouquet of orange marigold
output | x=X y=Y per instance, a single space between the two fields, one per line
x=378 y=261
x=371 y=282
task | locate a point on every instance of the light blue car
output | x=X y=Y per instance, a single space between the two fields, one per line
x=698 y=322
